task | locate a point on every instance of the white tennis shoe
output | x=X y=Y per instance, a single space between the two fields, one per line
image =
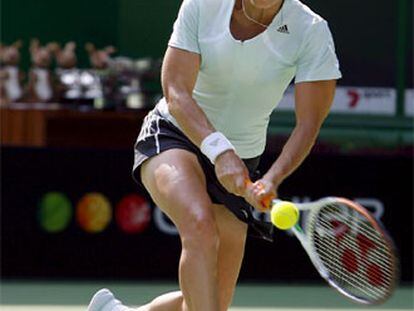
x=104 y=300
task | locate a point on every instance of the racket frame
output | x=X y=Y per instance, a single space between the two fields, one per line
x=313 y=209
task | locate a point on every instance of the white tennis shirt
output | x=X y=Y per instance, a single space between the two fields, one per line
x=240 y=83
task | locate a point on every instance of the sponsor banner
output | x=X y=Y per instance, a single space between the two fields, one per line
x=409 y=103
x=78 y=214
x=354 y=100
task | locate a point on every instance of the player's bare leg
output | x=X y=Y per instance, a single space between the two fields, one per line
x=228 y=232
x=232 y=234
x=176 y=183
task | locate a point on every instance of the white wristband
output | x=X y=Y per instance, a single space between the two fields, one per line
x=214 y=145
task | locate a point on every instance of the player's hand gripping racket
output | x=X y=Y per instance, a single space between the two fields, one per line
x=349 y=248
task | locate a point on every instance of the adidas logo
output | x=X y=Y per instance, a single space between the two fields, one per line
x=283 y=29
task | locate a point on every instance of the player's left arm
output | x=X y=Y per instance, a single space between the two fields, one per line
x=312 y=104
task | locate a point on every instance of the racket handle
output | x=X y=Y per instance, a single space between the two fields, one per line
x=266 y=202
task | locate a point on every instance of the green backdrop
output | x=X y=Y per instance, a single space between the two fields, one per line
x=51 y=20
x=145 y=26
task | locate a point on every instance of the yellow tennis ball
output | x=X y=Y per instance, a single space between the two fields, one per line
x=284 y=215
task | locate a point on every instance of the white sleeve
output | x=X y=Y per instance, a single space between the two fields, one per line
x=317 y=60
x=185 y=33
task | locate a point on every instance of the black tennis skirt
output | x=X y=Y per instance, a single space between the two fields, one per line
x=158 y=134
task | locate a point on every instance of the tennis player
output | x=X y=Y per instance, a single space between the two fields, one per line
x=227 y=65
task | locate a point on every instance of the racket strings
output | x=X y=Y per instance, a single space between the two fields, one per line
x=339 y=254
x=353 y=286
x=354 y=253
x=352 y=280
x=367 y=230
x=352 y=283
x=350 y=254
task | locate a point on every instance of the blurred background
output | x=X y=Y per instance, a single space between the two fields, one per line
x=76 y=79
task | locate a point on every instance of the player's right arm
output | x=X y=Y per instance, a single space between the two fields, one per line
x=179 y=75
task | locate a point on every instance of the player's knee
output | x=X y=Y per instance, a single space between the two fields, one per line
x=167 y=178
x=201 y=233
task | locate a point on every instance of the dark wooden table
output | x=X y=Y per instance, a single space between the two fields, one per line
x=54 y=125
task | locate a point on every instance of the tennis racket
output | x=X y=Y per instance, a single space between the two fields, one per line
x=349 y=248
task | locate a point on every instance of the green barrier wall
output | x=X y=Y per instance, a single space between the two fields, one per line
x=145 y=26
x=61 y=21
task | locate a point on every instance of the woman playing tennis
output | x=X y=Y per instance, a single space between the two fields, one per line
x=227 y=65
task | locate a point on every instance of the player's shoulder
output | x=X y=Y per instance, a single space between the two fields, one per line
x=303 y=17
x=213 y=16
x=298 y=23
